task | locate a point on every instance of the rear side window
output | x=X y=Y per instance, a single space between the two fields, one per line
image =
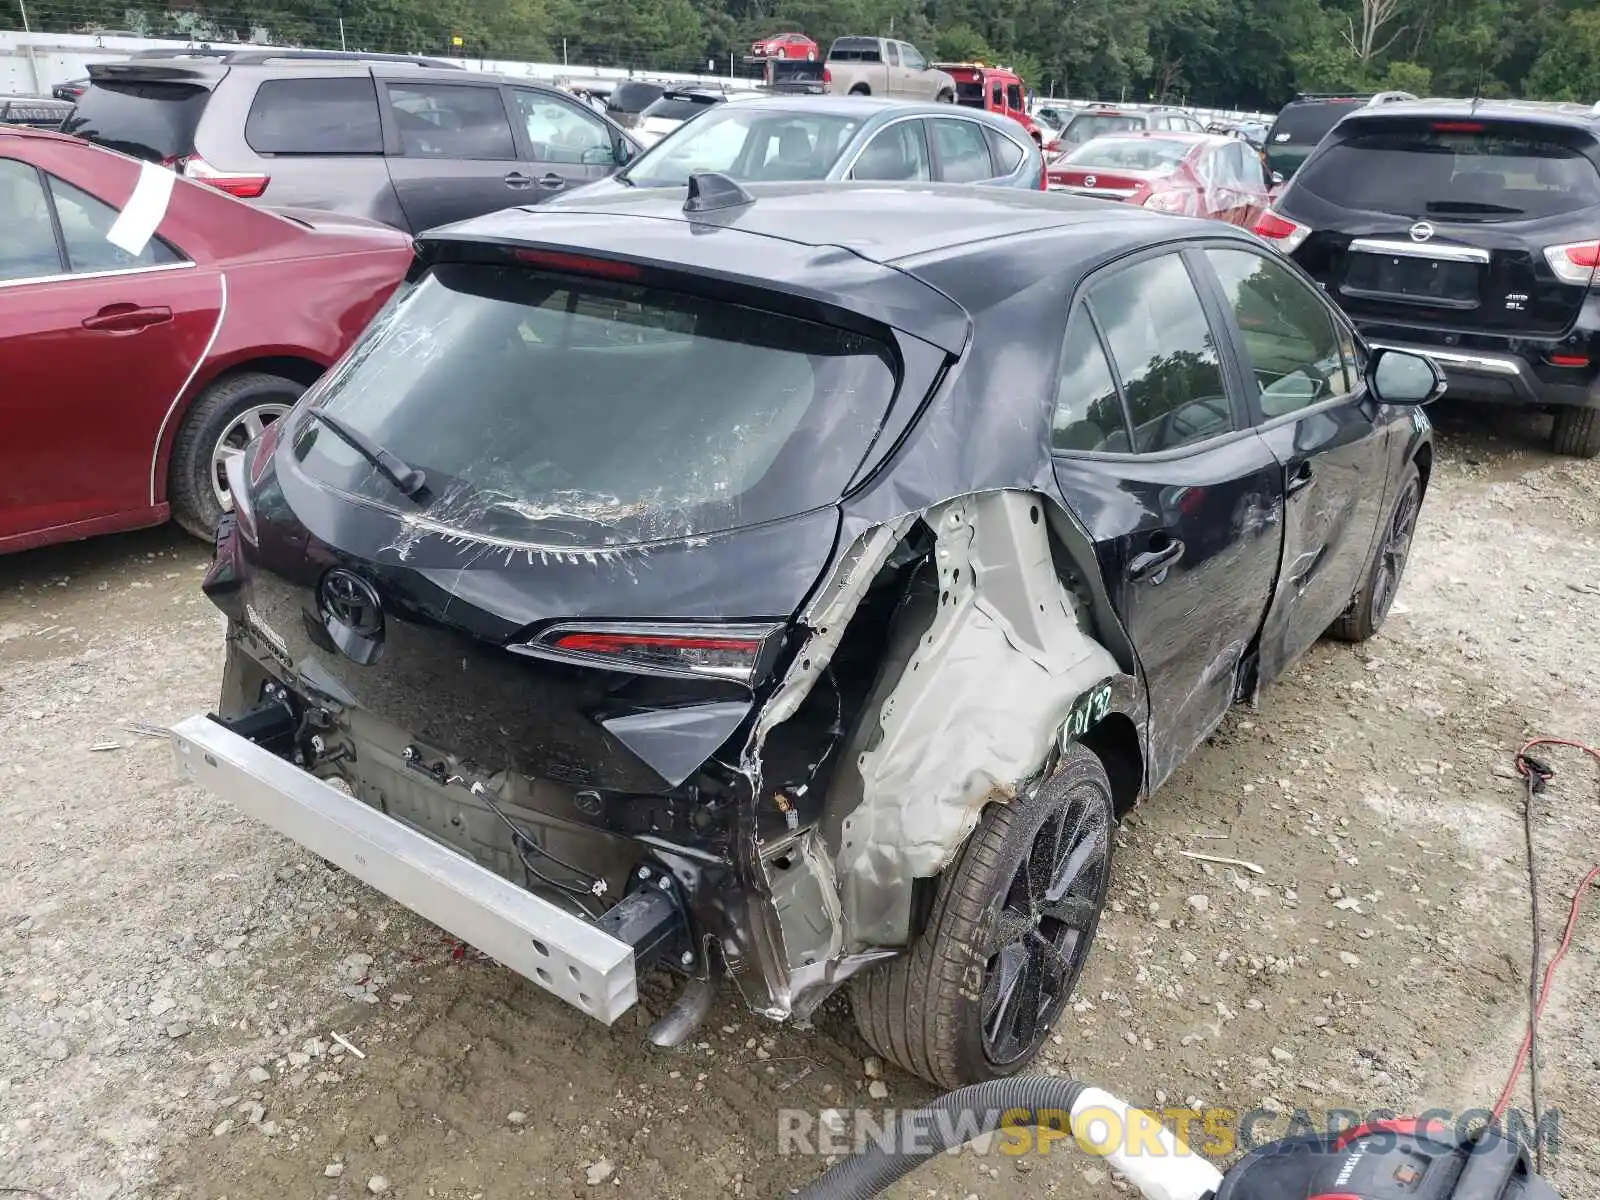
x=85 y=222
x=1007 y=153
x=448 y=120
x=598 y=412
x=315 y=116
x=963 y=151
x=1450 y=169
x=1088 y=412
x=856 y=50
x=152 y=121
x=1165 y=352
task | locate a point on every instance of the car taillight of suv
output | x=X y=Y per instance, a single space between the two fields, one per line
x=1467 y=233
x=243 y=184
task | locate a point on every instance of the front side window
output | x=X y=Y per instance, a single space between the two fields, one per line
x=28 y=247
x=315 y=116
x=562 y=132
x=551 y=410
x=449 y=120
x=1014 y=96
x=1088 y=413
x=963 y=151
x=1165 y=353
x=899 y=152
x=1289 y=334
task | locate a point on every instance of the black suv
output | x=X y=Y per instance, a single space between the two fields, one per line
x=1306 y=120
x=1469 y=231
x=410 y=142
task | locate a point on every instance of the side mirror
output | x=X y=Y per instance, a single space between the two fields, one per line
x=1277 y=178
x=1397 y=377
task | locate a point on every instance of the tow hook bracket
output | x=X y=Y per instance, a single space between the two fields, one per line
x=651 y=919
x=271 y=725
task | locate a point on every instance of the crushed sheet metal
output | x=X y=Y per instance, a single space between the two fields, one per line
x=140 y=217
x=1005 y=630
x=829 y=614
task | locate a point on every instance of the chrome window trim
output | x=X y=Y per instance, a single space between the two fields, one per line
x=63 y=277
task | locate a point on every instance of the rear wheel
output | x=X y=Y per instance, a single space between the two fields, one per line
x=1372 y=602
x=975 y=995
x=783 y=52
x=1577 y=432
x=946 y=97
x=861 y=89
x=224 y=420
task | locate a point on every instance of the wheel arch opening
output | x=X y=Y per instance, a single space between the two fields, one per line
x=1115 y=741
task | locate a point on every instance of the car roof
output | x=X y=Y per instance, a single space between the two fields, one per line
x=1538 y=111
x=944 y=217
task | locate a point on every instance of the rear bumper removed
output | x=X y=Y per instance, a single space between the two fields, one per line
x=560 y=952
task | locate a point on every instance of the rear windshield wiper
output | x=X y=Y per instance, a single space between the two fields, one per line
x=396 y=470
x=1471 y=206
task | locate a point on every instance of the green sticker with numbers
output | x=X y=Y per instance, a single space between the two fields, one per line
x=1088 y=712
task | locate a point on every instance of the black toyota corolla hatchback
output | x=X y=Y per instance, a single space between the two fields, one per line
x=797 y=584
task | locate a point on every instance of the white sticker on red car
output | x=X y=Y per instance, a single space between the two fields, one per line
x=146 y=208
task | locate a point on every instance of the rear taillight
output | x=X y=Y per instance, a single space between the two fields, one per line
x=732 y=652
x=1574 y=262
x=1044 y=175
x=827 y=75
x=242 y=184
x=1283 y=233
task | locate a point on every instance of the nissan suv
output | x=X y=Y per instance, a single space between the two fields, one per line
x=407 y=142
x=1470 y=232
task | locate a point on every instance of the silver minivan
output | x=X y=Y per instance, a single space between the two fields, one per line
x=408 y=142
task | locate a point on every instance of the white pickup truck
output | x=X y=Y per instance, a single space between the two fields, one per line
x=869 y=66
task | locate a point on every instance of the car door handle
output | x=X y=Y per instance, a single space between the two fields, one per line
x=516 y=179
x=1299 y=479
x=552 y=181
x=127 y=318
x=1153 y=564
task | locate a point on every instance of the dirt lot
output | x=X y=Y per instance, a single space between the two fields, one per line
x=172 y=976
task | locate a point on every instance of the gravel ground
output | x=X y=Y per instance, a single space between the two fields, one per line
x=183 y=993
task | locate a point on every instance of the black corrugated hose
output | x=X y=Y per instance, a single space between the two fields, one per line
x=976 y=1110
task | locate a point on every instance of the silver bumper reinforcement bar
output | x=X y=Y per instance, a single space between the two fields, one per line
x=560 y=952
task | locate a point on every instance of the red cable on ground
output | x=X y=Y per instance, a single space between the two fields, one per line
x=1578 y=898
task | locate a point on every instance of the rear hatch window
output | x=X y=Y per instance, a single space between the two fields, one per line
x=150 y=120
x=551 y=410
x=1460 y=170
x=1090 y=125
x=672 y=107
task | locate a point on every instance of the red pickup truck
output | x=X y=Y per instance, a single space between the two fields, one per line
x=998 y=89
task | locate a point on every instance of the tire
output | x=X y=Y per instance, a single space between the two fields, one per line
x=783 y=52
x=861 y=89
x=945 y=97
x=811 y=56
x=1577 y=432
x=928 y=1009
x=1372 y=601
x=221 y=421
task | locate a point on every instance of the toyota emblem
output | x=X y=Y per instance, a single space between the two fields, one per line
x=352 y=602
x=1421 y=231
x=1088 y=181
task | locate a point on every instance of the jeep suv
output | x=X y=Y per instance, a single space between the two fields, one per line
x=407 y=142
x=1470 y=232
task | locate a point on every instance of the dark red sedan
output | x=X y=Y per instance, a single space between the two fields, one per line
x=149 y=328
x=1196 y=174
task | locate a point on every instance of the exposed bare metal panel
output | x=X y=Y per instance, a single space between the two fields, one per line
x=1004 y=630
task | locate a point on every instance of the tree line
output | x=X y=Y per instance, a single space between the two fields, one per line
x=1253 y=54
